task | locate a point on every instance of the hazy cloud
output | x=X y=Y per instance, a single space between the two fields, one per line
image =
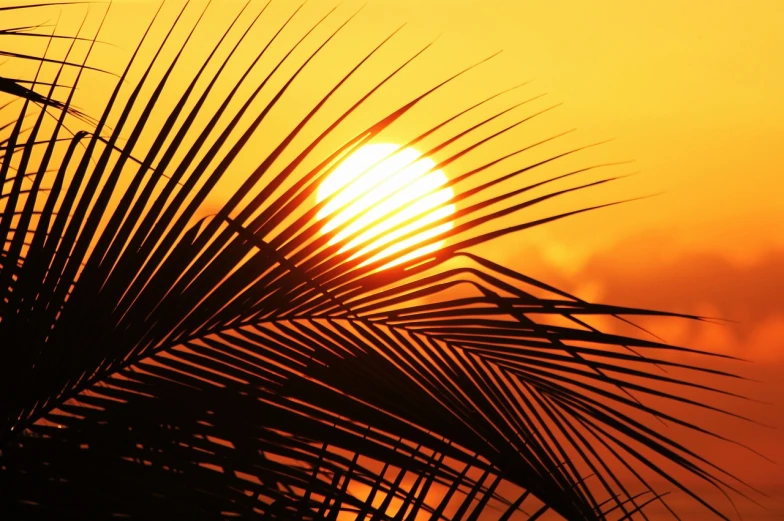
x=653 y=272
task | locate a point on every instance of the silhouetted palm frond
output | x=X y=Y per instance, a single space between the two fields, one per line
x=23 y=88
x=158 y=363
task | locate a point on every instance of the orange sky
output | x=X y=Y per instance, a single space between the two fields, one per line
x=689 y=90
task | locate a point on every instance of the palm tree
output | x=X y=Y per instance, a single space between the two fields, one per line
x=158 y=362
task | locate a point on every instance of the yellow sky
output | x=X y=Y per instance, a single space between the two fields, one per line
x=689 y=90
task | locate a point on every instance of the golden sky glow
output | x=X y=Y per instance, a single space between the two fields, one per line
x=688 y=90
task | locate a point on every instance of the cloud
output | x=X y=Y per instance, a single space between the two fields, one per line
x=654 y=271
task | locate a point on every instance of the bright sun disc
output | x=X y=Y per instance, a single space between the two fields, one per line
x=383 y=193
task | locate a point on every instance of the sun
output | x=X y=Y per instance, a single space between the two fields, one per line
x=387 y=199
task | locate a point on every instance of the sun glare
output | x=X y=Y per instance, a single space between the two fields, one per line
x=386 y=199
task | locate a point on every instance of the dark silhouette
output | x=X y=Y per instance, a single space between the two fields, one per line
x=156 y=363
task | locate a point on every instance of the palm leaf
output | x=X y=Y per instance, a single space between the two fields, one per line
x=24 y=88
x=161 y=363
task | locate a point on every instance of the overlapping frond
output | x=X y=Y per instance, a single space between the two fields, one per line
x=239 y=363
x=24 y=88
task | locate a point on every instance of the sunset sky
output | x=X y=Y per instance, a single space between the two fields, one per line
x=691 y=92
x=688 y=91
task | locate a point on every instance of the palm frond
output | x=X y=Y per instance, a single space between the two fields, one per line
x=24 y=88
x=160 y=362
